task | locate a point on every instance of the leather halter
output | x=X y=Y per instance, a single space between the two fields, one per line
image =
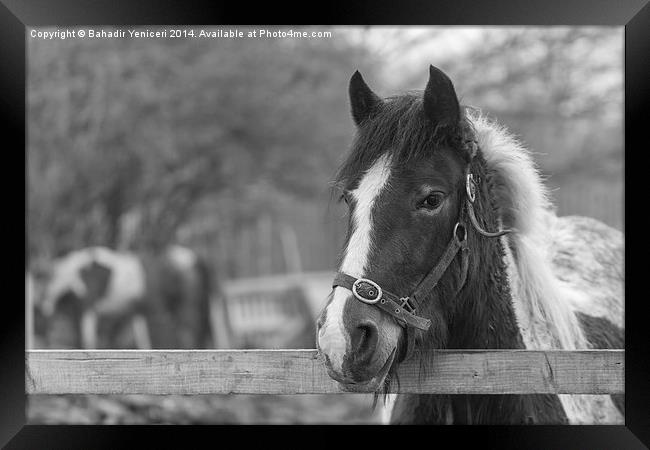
x=404 y=309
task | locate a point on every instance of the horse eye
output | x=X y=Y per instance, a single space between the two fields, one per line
x=433 y=201
x=344 y=197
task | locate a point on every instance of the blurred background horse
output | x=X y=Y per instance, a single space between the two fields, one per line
x=100 y=298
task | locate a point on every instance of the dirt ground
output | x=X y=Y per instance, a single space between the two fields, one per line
x=202 y=409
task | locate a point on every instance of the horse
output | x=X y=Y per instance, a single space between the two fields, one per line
x=165 y=297
x=453 y=243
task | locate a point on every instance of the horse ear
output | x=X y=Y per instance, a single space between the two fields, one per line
x=362 y=99
x=440 y=101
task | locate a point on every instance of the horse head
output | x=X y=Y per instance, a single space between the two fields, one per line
x=414 y=185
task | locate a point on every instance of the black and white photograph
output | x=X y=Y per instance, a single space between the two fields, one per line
x=325 y=225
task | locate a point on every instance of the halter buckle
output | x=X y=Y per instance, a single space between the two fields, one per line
x=373 y=290
x=405 y=303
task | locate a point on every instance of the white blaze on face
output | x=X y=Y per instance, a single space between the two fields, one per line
x=332 y=337
x=364 y=195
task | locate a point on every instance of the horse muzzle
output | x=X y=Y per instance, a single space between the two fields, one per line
x=368 y=386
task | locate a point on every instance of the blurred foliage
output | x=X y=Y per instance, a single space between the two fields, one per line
x=202 y=409
x=126 y=137
x=141 y=142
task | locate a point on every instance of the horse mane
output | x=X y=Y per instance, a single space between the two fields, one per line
x=543 y=309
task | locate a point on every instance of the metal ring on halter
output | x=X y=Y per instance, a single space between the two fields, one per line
x=369 y=301
x=470 y=187
x=460 y=241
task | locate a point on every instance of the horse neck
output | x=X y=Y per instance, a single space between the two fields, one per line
x=484 y=316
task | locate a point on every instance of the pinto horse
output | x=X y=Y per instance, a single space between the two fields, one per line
x=453 y=243
x=165 y=297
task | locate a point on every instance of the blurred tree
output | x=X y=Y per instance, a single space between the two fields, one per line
x=127 y=137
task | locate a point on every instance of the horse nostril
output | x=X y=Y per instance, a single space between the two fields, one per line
x=364 y=339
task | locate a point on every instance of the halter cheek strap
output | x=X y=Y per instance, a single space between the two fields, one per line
x=430 y=282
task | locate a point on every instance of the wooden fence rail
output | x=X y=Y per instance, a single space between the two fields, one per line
x=302 y=372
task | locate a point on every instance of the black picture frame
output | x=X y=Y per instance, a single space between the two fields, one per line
x=16 y=15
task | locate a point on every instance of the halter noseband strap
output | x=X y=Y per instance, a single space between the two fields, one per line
x=404 y=308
